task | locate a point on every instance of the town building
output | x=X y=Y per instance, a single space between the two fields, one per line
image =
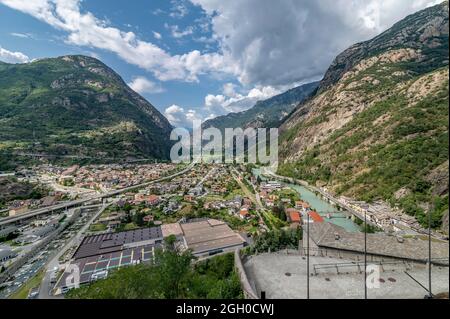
x=243 y=213
x=147 y=199
x=315 y=217
x=206 y=237
x=4 y=232
x=6 y=254
x=293 y=216
x=98 y=254
x=327 y=239
x=18 y=211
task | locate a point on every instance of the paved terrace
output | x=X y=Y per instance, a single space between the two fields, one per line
x=283 y=276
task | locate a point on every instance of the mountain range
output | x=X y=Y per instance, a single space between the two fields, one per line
x=76 y=106
x=374 y=128
x=377 y=127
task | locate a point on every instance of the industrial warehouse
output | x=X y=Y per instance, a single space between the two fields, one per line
x=210 y=236
x=99 y=254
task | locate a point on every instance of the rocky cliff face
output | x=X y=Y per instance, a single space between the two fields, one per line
x=426 y=30
x=378 y=126
x=76 y=105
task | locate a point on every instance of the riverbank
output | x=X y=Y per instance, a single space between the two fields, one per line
x=327 y=210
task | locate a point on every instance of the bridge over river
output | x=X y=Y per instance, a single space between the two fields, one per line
x=320 y=203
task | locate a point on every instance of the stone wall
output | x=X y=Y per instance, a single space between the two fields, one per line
x=249 y=292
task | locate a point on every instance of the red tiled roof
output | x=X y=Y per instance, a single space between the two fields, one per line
x=295 y=217
x=315 y=217
x=152 y=198
x=244 y=212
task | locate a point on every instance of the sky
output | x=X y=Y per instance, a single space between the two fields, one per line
x=198 y=59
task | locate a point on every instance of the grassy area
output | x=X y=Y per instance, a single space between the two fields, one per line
x=186 y=209
x=271 y=221
x=235 y=192
x=97 y=227
x=22 y=292
x=130 y=226
x=212 y=198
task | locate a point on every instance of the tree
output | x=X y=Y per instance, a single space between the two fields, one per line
x=258 y=180
x=280 y=211
x=167 y=277
x=171 y=275
x=138 y=219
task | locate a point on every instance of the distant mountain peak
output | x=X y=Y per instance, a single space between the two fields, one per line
x=424 y=30
x=266 y=113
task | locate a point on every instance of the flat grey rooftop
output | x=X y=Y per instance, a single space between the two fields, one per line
x=7 y=230
x=110 y=242
x=326 y=234
x=210 y=234
x=284 y=276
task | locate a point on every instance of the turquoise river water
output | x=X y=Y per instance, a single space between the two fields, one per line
x=323 y=207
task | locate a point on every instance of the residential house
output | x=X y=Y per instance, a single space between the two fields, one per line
x=18 y=211
x=315 y=217
x=243 y=213
x=148 y=218
x=114 y=224
x=270 y=203
x=247 y=201
x=147 y=199
x=293 y=216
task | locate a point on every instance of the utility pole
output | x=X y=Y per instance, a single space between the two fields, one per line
x=430 y=294
x=365 y=254
x=307 y=257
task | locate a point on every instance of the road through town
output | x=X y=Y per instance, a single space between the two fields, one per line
x=45 y=210
x=52 y=265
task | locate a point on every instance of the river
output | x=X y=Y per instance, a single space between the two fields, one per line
x=323 y=207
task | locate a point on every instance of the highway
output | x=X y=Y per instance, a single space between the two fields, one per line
x=113 y=159
x=46 y=210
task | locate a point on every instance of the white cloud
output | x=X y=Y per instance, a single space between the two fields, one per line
x=178 y=117
x=262 y=42
x=21 y=35
x=157 y=12
x=177 y=32
x=179 y=9
x=216 y=105
x=142 y=85
x=157 y=35
x=84 y=29
x=280 y=42
x=229 y=89
x=232 y=101
x=13 y=57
